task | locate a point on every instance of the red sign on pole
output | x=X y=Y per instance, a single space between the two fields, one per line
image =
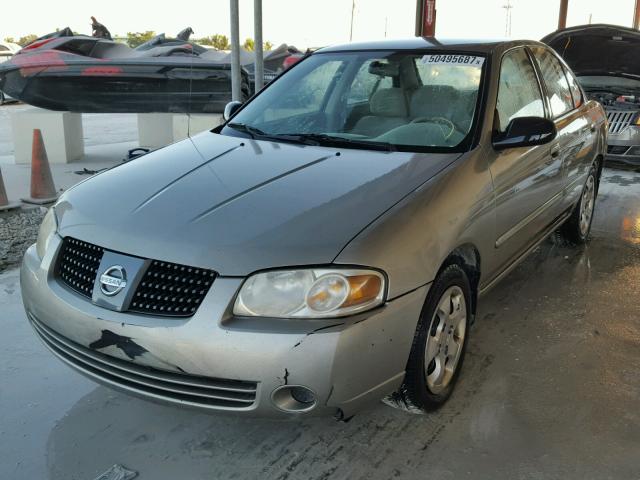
x=429 y=18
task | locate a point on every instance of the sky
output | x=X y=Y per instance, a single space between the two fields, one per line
x=311 y=23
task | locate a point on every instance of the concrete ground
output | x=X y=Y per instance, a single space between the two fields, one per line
x=550 y=389
x=107 y=140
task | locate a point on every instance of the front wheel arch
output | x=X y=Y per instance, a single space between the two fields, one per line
x=599 y=162
x=467 y=257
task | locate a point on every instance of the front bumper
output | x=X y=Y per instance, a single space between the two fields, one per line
x=215 y=362
x=624 y=147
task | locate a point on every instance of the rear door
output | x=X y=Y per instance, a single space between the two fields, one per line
x=574 y=144
x=527 y=180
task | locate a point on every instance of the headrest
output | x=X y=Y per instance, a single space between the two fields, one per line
x=388 y=102
x=432 y=100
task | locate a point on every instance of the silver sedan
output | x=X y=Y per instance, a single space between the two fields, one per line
x=327 y=246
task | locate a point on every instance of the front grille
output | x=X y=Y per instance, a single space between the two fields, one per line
x=171 y=290
x=78 y=264
x=166 y=289
x=617 y=149
x=183 y=389
x=618 y=119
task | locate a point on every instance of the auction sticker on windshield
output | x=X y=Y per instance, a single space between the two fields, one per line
x=470 y=60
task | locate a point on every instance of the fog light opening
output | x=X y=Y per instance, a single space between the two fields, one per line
x=294 y=398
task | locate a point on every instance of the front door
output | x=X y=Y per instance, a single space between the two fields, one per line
x=528 y=181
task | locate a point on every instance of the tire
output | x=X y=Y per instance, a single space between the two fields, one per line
x=443 y=326
x=577 y=227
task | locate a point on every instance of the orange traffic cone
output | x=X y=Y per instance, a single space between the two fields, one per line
x=4 y=200
x=42 y=188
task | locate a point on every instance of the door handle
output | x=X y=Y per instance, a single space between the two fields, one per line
x=555 y=151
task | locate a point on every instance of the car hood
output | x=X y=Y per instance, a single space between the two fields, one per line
x=237 y=205
x=598 y=49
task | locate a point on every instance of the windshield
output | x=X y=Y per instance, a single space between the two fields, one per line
x=402 y=100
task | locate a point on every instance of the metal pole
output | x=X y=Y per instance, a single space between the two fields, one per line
x=636 y=15
x=236 y=77
x=419 y=17
x=562 y=16
x=353 y=8
x=257 y=34
x=507 y=25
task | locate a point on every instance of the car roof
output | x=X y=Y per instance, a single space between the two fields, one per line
x=421 y=43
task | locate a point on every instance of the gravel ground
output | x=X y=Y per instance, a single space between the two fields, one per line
x=18 y=230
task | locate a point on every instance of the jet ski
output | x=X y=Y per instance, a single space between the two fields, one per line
x=7 y=50
x=80 y=73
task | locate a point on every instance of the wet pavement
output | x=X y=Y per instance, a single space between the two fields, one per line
x=550 y=389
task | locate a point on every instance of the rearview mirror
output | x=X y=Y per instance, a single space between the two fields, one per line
x=525 y=132
x=384 y=69
x=230 y=109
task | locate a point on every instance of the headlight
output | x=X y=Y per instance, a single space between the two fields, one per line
x=310 y=293
x=48 y=227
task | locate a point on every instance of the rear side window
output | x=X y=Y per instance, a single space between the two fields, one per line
x=576 y=93
x=555 y=80
x=518 y=91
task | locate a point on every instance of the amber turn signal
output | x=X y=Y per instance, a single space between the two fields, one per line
x=362 y=289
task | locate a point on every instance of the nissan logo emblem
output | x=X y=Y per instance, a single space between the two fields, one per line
x=113 y=280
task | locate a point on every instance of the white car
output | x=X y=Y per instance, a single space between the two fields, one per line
x=7 y=50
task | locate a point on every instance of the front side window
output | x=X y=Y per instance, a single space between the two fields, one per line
x=518 y=91
x=555 y=80
x=386 y=99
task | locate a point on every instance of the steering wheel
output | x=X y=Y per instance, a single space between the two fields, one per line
x=441 y=122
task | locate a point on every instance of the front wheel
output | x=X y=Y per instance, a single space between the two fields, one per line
x=576 y=229
x=439 y=344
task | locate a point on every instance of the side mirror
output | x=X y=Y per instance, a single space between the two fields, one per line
x=525 y=132
x=230 y=109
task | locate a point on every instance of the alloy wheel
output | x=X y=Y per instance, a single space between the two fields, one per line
x=586 y=204
x=445 y=339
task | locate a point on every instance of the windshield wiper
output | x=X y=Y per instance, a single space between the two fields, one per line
x=243 y=127
x=255 y=132
x=322 y=139
x=315 y=139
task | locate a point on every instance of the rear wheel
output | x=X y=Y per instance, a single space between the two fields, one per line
x=576 y=229
x=439 y=344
